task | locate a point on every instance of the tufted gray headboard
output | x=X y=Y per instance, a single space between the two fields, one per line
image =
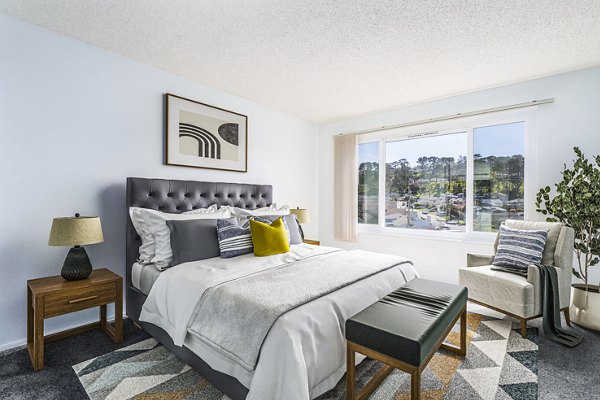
x=173 y=196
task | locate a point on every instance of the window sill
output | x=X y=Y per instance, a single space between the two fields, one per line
x=472 y=237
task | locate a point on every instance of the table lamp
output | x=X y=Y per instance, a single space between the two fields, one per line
x=301 y=215
x=76 y=231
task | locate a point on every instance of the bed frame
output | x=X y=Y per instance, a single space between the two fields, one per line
x=175 y=196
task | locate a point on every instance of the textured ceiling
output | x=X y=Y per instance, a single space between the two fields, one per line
x=324 y=60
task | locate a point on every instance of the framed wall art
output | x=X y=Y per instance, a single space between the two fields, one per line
x=204 y=136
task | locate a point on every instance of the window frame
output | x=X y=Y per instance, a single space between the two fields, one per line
x=458 y=125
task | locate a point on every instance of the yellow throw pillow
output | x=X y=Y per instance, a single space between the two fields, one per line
x=269 y=239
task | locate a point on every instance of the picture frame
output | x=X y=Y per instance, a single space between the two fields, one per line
x=199 y=135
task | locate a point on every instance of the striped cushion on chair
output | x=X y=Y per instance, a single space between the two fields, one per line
x=520 y=248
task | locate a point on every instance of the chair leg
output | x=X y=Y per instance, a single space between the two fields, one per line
x=523 y=328
x=567 y=316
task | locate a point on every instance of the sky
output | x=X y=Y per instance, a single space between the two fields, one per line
x=498 y=140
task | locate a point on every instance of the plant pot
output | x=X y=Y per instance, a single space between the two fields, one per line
x=585 y=306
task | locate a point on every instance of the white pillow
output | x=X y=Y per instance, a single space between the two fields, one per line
x=271 y=210
x=156 y=224
x=143 y=229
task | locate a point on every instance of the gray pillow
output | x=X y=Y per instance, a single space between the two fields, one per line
x=193 y=240
x=292 y=226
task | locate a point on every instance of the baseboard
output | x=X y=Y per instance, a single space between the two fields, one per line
x=23 y=342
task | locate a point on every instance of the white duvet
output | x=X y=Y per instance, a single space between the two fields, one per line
x=303 y=355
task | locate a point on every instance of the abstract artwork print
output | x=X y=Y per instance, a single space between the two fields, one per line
x=203 y=136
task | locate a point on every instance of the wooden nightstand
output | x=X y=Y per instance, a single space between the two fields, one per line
x=315 y=242
x=52 y=296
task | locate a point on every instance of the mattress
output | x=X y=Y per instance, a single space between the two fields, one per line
x=143 y=276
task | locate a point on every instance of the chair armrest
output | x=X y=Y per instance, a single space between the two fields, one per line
x=533 y=275
x=563 y=255
x=564 y=283
x=478 y=260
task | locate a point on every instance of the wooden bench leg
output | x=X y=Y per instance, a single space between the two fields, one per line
x=463 y=333
x=462 y=350
x=350 y=372
x=375 y=381
x=137 y=325
x=415 y=384
x=524 y=328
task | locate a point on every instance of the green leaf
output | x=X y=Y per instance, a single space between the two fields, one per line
x=576 y=203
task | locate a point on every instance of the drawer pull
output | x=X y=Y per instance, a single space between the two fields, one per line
x=82 y=299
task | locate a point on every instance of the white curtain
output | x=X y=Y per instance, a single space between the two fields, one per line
x=345 y=187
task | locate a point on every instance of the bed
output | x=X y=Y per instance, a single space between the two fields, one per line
x=302 y=353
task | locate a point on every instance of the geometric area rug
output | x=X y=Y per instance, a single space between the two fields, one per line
x=499 y=365
x=143 y=371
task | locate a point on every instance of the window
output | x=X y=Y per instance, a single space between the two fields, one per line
x=368 y=183
x=467 y=180
x=426 y=183
x=498 y=155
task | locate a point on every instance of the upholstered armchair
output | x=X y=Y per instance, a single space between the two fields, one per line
x=514 y=295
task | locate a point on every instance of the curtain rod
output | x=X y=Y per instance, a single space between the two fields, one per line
x=453 y=116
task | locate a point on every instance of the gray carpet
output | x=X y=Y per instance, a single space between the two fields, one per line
x=57 y=381
x=564 y=373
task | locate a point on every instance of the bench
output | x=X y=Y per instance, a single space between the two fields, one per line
x=404 y=330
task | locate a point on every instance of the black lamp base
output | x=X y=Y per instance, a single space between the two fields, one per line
x=77 y=265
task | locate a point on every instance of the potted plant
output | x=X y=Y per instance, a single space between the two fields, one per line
x=577 y=204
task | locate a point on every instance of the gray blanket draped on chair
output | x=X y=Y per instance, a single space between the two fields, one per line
x=550 y=305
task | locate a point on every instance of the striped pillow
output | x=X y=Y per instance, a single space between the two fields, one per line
x=520 y=248
x=234 y=236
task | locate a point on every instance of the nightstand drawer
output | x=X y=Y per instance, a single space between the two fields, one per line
x=79 y=299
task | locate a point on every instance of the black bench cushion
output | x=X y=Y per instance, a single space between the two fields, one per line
x=407 y=323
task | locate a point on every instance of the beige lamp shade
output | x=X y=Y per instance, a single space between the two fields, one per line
x=301 y=214
x=75 y=231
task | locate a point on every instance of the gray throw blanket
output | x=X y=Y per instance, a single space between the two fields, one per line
x=550 y=305
x=235 y=317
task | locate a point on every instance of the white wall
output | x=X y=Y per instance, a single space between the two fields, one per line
x=75 y=121
x=573 y=120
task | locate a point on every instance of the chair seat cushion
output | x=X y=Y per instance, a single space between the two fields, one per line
x=408 y=323
x=502 y=290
